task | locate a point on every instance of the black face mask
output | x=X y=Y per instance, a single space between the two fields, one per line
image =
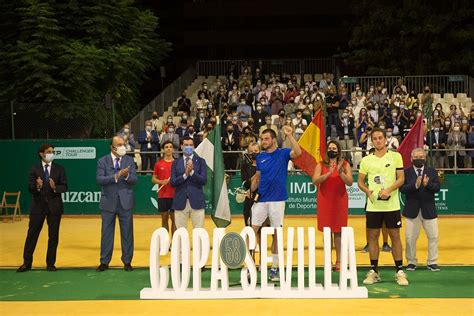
x=418 y=162
x=253 y=156
x=332 y=154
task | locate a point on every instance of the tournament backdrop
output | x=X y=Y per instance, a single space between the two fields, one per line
x=79 y=157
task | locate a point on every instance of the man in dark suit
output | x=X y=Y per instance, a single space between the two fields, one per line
x=188 y=176
x=421 y=184
x=116 y=174
x=436 y=139
x=149 y=141
x=46 y=182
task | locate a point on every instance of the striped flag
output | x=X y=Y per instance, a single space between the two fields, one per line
x=215 y=190
x=414 y=139
x=312 y=144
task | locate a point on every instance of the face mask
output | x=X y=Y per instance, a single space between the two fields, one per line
x=456 y=128
x=48 y=157
x=170 y=120
x=436 y=113
x=418 y=162
x=184 y=117
x=389 y=134
x=171 y=130
x=394 y=114
x=318 y=98
x=253 y=156
x=201 y=115
x=148 y=128
x=121 y=151
x=235 y=118
x=447 y=123
x=382 y=126
x=436 y=129
x=259 y=108
x=126 y=130
x=332 y=154
x=188 y=150
x=345 y=115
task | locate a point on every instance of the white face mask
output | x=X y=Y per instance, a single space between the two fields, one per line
x=126 y=130
x=121 y=151
x=389 y=134
x=48 y=157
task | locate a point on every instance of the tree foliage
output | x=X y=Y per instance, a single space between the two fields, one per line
x=412 y=37
x=60 y=58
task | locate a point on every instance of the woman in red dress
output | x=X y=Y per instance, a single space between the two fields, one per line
x=331 y=177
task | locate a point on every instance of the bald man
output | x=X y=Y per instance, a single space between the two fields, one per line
x=116 y=175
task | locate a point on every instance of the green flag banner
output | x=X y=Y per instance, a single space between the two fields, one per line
x=217 y=200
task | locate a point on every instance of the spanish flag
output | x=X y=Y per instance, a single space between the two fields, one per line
x=312 y=144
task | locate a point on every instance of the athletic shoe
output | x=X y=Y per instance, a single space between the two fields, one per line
x=401 y=278
x=365 y=249
x=372 y=277
x=433 y=267
x=411 y=267
x=274 y=274
x=386 y=248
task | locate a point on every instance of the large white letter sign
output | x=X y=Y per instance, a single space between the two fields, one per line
x=160 y=243
x=241 y=259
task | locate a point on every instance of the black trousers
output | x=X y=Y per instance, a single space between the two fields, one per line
x=34 y=230
x=148 y=161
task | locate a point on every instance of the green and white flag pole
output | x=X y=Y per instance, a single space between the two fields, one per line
x=215 y=190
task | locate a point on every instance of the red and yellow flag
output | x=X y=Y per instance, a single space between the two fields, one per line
x=312 y=144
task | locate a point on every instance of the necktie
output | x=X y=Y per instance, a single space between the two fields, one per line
x=419 y=172
x=187 y=161
x=46 y=173
x=117 y=166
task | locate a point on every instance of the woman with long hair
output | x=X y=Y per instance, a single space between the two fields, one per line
x=331 y=177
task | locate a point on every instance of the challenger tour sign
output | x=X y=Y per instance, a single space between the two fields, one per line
x=183 y=267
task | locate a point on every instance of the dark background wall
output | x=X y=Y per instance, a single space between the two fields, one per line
x=218 y=29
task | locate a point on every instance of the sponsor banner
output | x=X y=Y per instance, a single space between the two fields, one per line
x=74 y=152
x=83 y=195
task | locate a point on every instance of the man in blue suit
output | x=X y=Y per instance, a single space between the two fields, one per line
x=421 y=184
x=116 y=174
x=188 y=176
x=149 y=141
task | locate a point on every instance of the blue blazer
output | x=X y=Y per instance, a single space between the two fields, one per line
x=155 y=141
x=421 y=198
x=192 y=187
x=111 y=190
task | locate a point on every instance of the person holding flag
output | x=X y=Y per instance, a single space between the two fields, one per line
x=270 y=179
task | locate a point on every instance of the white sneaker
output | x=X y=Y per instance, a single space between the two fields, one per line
x=401 y=278
x=372 y=277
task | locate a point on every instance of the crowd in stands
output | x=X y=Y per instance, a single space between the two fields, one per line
x=251 y=100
